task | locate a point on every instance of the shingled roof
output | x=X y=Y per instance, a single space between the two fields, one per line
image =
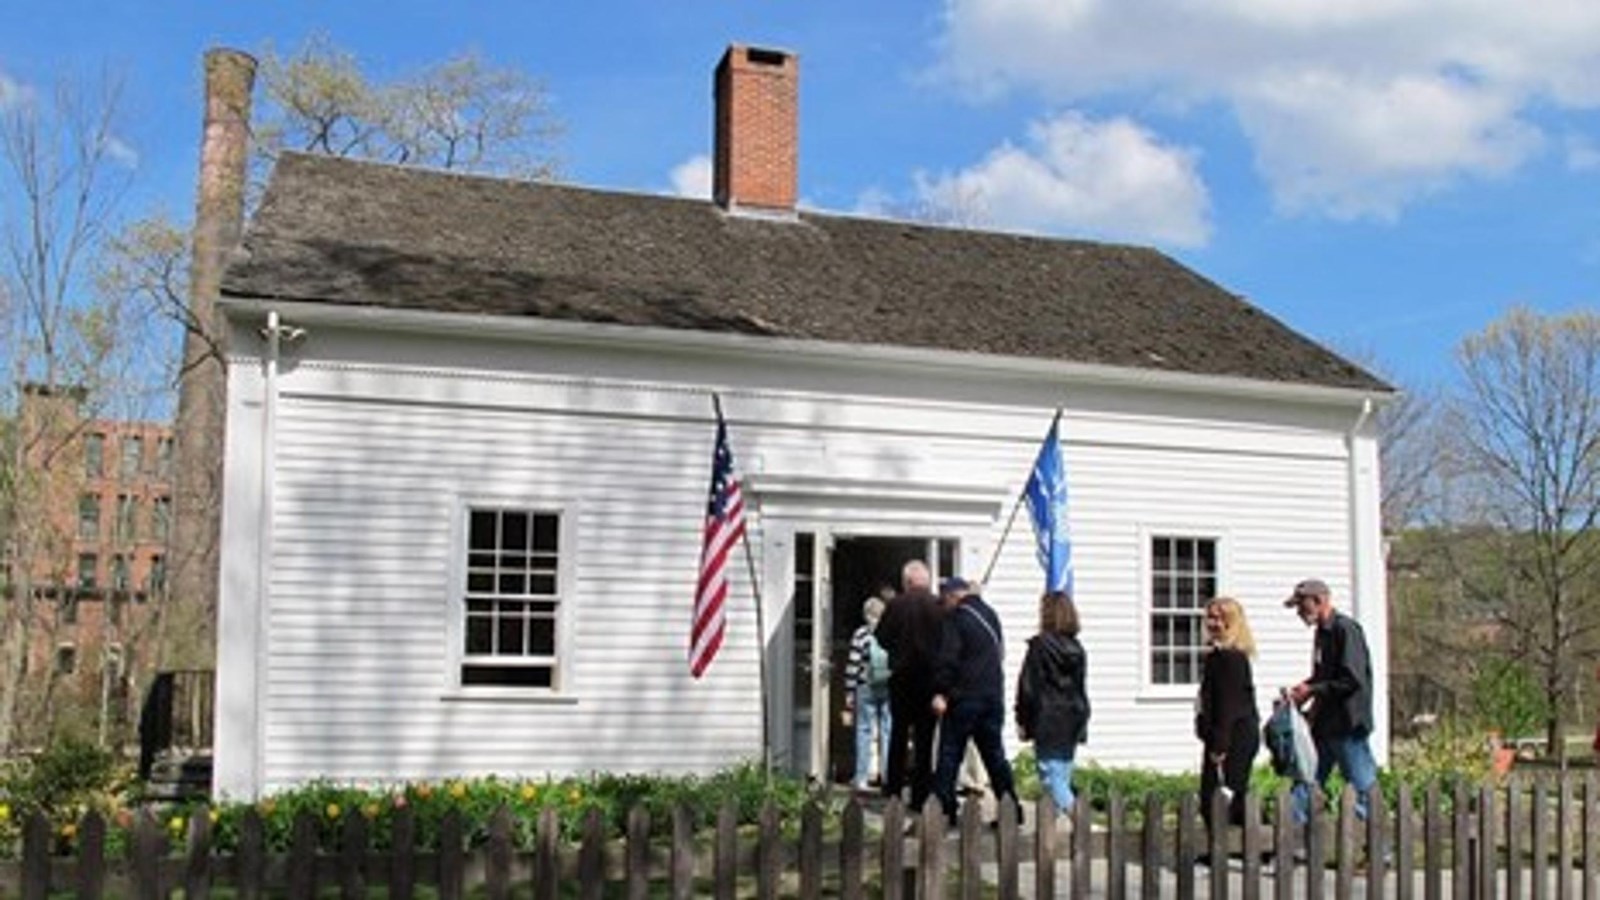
x=374 y=235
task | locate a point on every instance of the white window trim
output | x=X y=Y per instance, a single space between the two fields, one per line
x=1148 y=689
x=563 y=688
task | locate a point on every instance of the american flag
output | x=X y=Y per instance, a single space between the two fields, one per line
x=724 y=526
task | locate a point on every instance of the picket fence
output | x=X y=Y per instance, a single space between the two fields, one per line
x=1524 y=838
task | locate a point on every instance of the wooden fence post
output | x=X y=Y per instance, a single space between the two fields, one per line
x=1250 y=846
x=1116 y=853
x=1488 y=843
x=930 y=850
x=1007 y=853
x=149 y=849
x=547 y=856
x=1082 y=847
x=1405 y=842
x=353 y=856
x=769 y=852
x=403 y=854
x=970 y=877
x=1564 y=832
x=1283 y=845
x=1515 y=829
x=1217 y=843
x=683 y=853
x=303 y=855
x=1461 y=849
x=497 y=856
x=250 y=870
x=893 y=850
x=1432 y=845
x=1316 y=847
x=726 y=861
x=36 y=839
x=1184 y=851
x=1150 y=868
x=1591 y=846
x=197 y=864
x=91 y=881
x=452 y=857
x=1344 y=841
x=1378 y=852
x=810 y=852
x=638 y=853
x=1541 y=841
x=852 y=852
x=592 y=856
x=1044 y=845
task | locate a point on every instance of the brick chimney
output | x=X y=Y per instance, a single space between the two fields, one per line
x=757 y=146
x=193 y=544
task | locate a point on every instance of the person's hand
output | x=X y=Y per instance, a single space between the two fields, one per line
x=939 y=704
x=1218 y=758
x=1299 y=693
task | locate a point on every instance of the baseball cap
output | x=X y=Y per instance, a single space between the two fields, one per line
x=1311 y=587
x=954 y=586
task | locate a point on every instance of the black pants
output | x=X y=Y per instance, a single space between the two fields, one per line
x=1243 y=743
x=980 y=720
x=910 y=743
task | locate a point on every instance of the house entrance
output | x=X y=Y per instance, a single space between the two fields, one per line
x=834 y=575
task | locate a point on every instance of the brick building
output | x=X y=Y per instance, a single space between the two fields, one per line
x=97 y=509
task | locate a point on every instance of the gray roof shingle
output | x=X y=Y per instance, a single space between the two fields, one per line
x=365 y=234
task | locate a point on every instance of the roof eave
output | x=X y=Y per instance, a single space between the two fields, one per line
x=308 y=313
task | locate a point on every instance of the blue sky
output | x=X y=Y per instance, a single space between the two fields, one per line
x=1386 y=176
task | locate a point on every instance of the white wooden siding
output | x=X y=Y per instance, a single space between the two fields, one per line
x=372 y=456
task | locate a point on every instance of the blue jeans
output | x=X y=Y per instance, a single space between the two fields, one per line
x=872 y=712
x=1055 y=775
x=1353 y=756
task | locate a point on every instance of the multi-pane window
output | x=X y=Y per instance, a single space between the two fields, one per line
x=89 y=517
x=155 y=580
x=164 y=457
x=94 y=455
x=119 y=572
x=132 y=455
x=1183 y=576
x=125 y=515
x=88 y=569
x=513 y=594
x=160 y=518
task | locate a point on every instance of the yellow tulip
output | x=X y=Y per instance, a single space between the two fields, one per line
x=5 y=812
x=529 y=792
x=458 y=790
x=68 y=830
x=333 y=810
x=175 y=823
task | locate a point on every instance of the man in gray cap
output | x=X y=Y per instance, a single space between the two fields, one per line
x=1339 y=694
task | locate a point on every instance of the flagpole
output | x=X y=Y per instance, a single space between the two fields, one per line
x=761 y=629
x=1015 y=508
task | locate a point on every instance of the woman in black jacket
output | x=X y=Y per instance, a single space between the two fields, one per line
x=1052 y=702
x=1226 y=719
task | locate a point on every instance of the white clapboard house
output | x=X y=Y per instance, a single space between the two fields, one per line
x=469 y=432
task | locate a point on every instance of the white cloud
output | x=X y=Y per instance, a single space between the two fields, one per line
x=122 y=152
x=692 y=177
x=1354 y=107
x=1110 y=178
x=13 y=93
x=1583 y=155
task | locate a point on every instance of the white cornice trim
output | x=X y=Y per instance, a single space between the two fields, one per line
x=887 y=356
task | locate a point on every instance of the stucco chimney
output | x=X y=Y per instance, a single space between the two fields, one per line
x=757 y=146
x=218 y=221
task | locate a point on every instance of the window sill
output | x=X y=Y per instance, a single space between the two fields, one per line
x=527 y=696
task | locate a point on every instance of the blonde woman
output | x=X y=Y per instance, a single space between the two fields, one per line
x=1226 y=719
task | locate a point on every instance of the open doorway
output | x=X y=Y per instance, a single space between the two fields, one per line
x=860 y=566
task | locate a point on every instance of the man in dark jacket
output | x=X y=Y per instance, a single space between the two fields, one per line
x=1339 y=693
x=969 y=694
x=909 y=633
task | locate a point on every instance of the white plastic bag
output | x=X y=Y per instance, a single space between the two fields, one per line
x=1305 y=748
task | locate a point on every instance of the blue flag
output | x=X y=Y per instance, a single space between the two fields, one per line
x=1047 y=506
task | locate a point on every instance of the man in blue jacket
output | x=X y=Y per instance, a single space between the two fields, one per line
x=969 y=694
